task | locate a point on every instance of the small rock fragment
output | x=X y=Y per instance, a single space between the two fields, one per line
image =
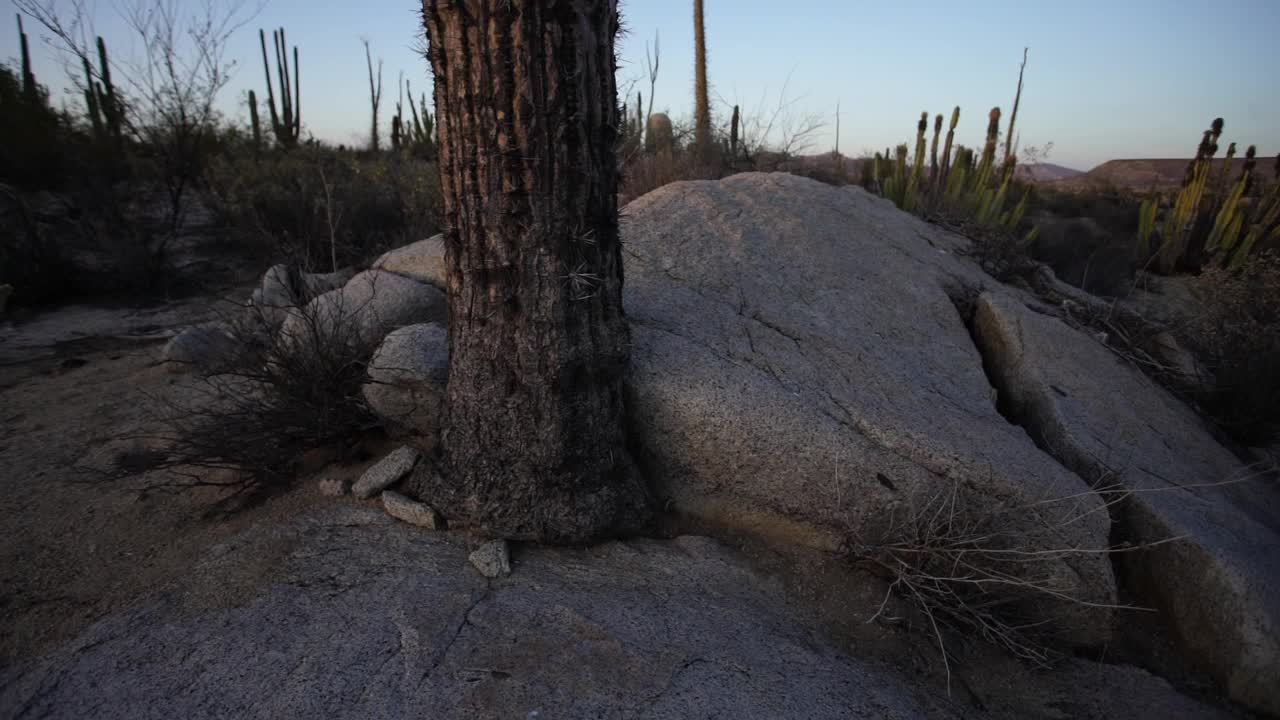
x=411 y=511
x=386 y=472
x=335 y=487
x=492 y=559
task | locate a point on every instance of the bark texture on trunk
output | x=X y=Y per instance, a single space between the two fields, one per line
x=527 y=116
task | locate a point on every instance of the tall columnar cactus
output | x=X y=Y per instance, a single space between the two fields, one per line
x=733 y=134
x=255 y=124
x=639 y=121
x=1220 y=186
x=1250 y=162
x=286 y=124
x=933 y=149
x=917 y=166
x=993 y=137
x=30 y=91
x=1181 y=218
x=941 y=181
x=105 y=109
x=1146 y=226
x=702 y=104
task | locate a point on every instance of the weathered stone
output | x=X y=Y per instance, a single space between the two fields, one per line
x=363 y=311
x=799 y=368
x=422 y=261
x=407 y=377
x=284 y=287
x=386 y=472
x=411 y=511
x=1213 y=527
x=492 y=559
x=334 y=487
x=205 y=348
x=366 y=617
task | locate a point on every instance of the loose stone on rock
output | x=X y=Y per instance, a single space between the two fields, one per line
x=387 y=472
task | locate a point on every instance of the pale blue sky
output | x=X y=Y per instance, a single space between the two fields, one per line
x=1124 y=78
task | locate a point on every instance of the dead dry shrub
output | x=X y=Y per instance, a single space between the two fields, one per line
x=246 y=424
x=646 y=172
x=969 y=568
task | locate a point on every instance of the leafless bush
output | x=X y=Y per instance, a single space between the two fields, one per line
x=1238 y=338
x=969 y=567
x=245 y=424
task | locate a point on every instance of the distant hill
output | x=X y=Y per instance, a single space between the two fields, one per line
x=1046 y=172
x=1153 y=174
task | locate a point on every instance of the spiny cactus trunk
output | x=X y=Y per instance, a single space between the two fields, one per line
x=946 y=151
x=254 y=123
x=733 y=135
x=702 y=109
x=535 y=447
x=286 y=124
x=29 y=88
x=933 y=149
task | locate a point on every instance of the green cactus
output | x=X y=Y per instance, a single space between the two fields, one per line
x=702 y=105
x=255 y=123
x=1181 y=219
x=909 y=199
x=104 y=107
x=941 y=181
x=1146 y=226
x=993 y=137
x=30 y=91
x=286 y=124
x=733 y=133
x=1220 y=187
x=933 y=148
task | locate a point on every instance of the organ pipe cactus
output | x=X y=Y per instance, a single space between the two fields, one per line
x=917 y=166
x=286 y=124
x=30 y=92
x=106 y=110
x=941 y=180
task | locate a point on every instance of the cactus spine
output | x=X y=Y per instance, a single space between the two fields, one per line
x=286 y=124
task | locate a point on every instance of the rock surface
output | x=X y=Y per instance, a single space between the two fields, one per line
x=407 y=376
x=386 y=472
x=1218 y=585
x=285 y=287
x=492 y=559
x=364 y=310
x=422 y=261
x=799 y=368
x=334 y=487
x=369 y=618
x=411 y=511
x=204 y=348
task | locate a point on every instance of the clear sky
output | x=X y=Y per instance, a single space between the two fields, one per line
x=1106 y=79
